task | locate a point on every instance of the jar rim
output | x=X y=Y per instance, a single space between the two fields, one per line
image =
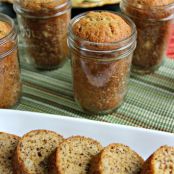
x=167 y=10
x=132 y=37
x=157 y=7
x=19 y=9
x=12 y=35
x=10 y=21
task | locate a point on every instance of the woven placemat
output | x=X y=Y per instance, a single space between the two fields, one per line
x=149 y=103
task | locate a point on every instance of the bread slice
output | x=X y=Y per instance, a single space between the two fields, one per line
x=33 y=151
x=74 y=156
x=117 y=159
x=160 y=162
x=8 y=143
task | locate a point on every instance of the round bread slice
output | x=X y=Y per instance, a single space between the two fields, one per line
x=74 y=156
x=34 y=150
x=160 y=162
x=8 y=144
x=117 y=159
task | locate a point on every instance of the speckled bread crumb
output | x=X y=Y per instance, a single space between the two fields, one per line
x=8 y=145
x=160 y=162
x=33 y=151
x=151 y=2
x=102 y=27
x=74 y=155
x=117 y=159
x=5 y=29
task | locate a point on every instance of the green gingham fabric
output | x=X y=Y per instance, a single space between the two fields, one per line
x=149 y=103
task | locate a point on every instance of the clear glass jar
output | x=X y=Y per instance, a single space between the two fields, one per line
x=100 y=70
x=43 y=31
x=154 y=25
x=10 y=82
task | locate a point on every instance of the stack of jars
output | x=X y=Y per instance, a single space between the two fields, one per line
x=103 y=47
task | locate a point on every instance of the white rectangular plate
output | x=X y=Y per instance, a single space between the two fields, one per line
x=142 y=141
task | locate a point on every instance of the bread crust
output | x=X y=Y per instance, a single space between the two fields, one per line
x=147 y=166
x=52 y=164
x=13 y=135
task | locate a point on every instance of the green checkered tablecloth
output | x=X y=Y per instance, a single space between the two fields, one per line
x=149 y=103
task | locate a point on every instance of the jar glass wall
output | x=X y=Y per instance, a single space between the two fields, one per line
x=10 y=82
x=43 y=31
x=100 y=70
x=154 y=24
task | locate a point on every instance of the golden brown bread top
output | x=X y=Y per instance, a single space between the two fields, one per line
x=102 y=27
x=151 y=2
x=160 y=162
x=5 y=29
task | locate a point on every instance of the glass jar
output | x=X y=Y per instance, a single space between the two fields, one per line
x=100 y=70
x=10 y=82
x=154 y=25
x=43 y=31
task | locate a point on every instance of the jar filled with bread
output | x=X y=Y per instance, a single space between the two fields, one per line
x=10 y=82
x=43 y=31
x=101 y=44
x=154 y=21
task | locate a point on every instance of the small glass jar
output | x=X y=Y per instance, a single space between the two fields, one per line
x=154 y=24
x=100 y=70
x=43 y=31
x=10 y=82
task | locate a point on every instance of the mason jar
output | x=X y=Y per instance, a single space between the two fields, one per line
x=100 y=70
x=10 y=82
x=154 y=24
x=43 y=31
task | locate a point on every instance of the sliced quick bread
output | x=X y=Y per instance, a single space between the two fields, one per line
x=117 y=159
x=160 y=162
x=34 y=150
x=8 y=145
x=74 y=156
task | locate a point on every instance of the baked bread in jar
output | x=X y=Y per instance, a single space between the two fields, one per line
x=10 y=82
x=153 y=19
x=101 y=54
x=43 y=31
